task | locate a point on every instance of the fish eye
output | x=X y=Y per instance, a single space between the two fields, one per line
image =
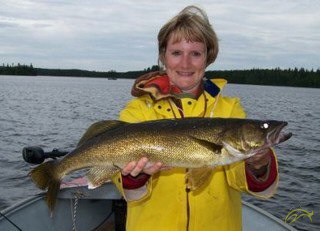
x=265 y=126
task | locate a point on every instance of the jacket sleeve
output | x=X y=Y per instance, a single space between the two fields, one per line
x=136 y=110
x=265 y=186
x=236 y=173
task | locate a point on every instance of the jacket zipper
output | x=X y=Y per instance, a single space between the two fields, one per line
x=188 y=205
x=179 y=107
x=188 y=209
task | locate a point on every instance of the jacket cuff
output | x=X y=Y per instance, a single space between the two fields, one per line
x=258 y=185
x=130 y=182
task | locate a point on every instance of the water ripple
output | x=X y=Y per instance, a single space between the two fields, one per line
x=54 y=112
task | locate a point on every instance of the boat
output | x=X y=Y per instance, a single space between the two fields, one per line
x=79 y=208
x=103 y=208
x=112 y=78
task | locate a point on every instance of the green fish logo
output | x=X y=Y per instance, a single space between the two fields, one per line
x=296 y=214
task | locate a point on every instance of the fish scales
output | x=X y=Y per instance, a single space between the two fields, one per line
x=195 y=143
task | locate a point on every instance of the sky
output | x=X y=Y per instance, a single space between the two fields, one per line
x=121 y=35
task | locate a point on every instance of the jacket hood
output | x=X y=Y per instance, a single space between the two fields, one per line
x=158 y=86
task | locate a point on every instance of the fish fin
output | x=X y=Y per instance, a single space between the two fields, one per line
x=216 y=148
x=99 y=175
x=99 y=128
x=197 y=177
x=44 y=177
x=42 y=174
x=52 y=193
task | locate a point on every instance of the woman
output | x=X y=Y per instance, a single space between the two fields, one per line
x=160 y=200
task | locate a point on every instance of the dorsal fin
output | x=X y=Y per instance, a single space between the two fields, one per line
x=99 y=128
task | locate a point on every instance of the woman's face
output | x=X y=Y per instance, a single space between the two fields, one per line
x=185 y=63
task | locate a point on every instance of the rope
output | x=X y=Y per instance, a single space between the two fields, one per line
x=74 y=209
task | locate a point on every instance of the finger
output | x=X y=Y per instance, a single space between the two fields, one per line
x=266 y=154
x=254 y=159
x=258 y=162
x=139 y=167
x=165 y=167
x=153 y=168
x=259 y=156
x=264 y=151
x=128 y=168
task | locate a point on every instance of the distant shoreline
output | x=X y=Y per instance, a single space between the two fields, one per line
x=275 y=77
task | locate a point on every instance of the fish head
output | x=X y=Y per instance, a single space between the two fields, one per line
x=248 y=137
x=256 y=135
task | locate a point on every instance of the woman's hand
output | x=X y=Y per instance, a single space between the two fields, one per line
x=134 y=168
x=258 y=164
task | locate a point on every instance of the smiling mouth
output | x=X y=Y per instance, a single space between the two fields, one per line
x=185 y=73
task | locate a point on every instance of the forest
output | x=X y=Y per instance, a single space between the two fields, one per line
x=280 y=77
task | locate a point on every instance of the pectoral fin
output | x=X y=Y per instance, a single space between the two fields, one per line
x=99 y=175
x=197 y=177
x=216 y=148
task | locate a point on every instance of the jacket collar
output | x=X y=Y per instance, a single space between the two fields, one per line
x=158 y=86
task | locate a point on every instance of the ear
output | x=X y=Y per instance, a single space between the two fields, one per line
x=161 y=59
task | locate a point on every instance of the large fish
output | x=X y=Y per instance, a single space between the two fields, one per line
x=198 y=144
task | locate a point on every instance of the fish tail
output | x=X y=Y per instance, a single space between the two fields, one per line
x=51 y=196
x=45 y=177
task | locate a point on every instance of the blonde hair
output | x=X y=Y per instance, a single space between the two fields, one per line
x=192 y=24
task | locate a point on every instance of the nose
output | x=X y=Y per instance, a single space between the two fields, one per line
x=186 y=61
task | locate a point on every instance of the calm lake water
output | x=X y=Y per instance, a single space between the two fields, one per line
x=53 y=112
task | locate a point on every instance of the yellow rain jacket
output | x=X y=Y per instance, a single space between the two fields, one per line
x=168 y=205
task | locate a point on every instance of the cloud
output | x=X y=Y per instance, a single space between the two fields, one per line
x=122 y=35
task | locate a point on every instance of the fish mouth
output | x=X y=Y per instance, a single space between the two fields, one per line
x=274 y=137
x=277 y=136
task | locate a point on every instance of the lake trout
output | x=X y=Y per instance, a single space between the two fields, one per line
x=199 y=144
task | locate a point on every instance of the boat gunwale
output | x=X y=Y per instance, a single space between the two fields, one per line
x=101 y=195
x=269 y=215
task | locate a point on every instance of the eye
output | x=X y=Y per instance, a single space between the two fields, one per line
x=264 y=126
x=196 y=53
x=175 y=53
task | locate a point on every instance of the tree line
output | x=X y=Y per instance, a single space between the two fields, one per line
x=17 y=69
x=280 y=77
x=288 y=77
